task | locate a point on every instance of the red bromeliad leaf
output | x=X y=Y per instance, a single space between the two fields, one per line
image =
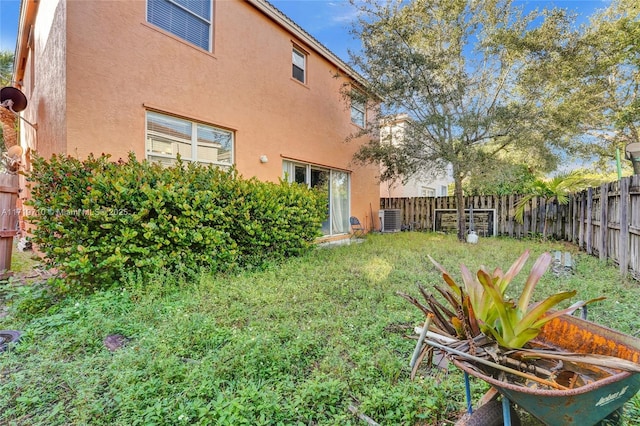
x=515 y=268
x=446 y=276
x=467 y=308
x=538 y=270
x=473 y=288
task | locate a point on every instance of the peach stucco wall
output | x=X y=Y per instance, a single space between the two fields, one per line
x=43 y=80
x=113 y=66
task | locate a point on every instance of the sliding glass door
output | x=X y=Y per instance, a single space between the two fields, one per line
x=336 y=185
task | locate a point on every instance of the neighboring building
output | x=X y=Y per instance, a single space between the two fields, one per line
x=426 y=184
x=221 y=82
x=417 y=187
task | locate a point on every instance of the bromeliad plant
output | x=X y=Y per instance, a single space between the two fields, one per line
x=480 y=305
x=482 y=326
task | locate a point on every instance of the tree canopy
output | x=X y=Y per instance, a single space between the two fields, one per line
x=453 y=67
x=590 y=80
x=6 y=68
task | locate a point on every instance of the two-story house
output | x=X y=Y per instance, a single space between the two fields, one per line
x=227 y=82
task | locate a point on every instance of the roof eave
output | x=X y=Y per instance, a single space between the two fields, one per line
x=285 y=22
x=28 y=10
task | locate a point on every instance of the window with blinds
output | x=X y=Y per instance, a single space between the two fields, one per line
x=299 y=60
x=187 y=19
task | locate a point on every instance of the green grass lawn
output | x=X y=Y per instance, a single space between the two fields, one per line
x=294 y=344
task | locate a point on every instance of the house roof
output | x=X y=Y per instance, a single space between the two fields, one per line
x=28 y=10
x=289 y=25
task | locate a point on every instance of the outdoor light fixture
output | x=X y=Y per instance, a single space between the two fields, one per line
x=632 y=151
x=14 y=101
x=264 y=159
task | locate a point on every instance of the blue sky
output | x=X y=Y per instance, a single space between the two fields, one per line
x=9 y=11
x=327 y=20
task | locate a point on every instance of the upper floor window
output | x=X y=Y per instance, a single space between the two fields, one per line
x=169 y=136
x=299 y=65
x=187 y=19
x=358 y=110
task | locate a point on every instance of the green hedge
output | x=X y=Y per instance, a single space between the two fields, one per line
x=97 y=220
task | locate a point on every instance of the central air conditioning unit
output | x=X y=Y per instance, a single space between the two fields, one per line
x=390 y=220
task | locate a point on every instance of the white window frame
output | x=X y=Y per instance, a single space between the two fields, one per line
x=193 y=14
x=297 y=52
x=330 y=227
x=427 y=191
x=170 y=158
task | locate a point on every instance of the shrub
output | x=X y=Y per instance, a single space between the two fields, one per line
x=96 y=219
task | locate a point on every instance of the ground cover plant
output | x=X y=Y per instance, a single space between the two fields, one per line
x=295 y=343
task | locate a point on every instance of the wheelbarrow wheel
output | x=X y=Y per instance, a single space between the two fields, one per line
x=613 y=419
x=490 y=414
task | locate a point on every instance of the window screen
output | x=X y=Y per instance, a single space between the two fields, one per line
x=187 y=19
x=299 y=65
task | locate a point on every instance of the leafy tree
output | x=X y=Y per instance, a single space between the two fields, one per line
x=453 y=68
x=503 y=179
x=6 y=68
x=591 y=82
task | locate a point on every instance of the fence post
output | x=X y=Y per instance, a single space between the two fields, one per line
x=9 y=188
x=589 y=224
x=574 y=222
x=604 y=224
x=623 y=244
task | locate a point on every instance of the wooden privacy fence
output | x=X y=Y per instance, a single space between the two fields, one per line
x=602 y=221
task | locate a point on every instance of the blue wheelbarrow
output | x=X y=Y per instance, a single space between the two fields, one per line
x=578 y=401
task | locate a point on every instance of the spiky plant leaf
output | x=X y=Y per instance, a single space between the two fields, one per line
x=457 y=324
x=471 y=285
x=521 y=339
x=536 y=316
x=499 y=304
x=449 y=297
x=467 y=308
x=551 y=315
x=538 y=270
x=514 y=270
x=446 y=276
x=497 y=335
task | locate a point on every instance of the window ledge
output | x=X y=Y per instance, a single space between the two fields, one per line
x=305 y=85
x=178 y=39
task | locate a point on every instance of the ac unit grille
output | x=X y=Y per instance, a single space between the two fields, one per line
x=391 y=220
